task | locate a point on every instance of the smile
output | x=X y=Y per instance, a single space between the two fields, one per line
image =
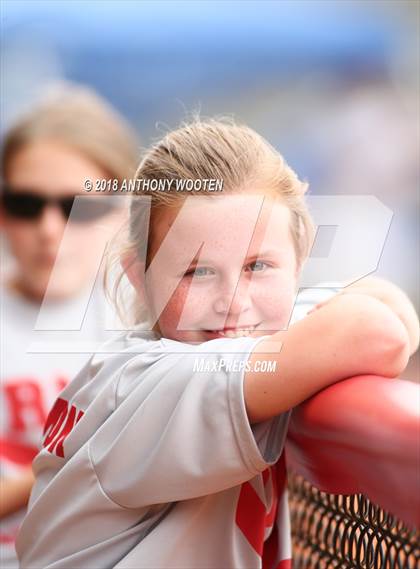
x=234 y=332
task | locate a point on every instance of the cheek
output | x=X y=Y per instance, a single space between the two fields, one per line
x=275 y=298
x=173 y=310
x=184 y=307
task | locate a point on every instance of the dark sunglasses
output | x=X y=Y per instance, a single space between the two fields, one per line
x=30 y=206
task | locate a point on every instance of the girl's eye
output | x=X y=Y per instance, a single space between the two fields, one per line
x=258 y=266
x=200 y=272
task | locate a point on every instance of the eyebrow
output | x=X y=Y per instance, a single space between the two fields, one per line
x=267 y=253
x=249 y=259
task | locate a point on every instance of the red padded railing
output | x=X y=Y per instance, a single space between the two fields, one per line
x=353 y=453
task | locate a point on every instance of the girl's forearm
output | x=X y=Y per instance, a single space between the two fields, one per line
x=352 y=334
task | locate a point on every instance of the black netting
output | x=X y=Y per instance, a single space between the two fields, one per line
x=346 y=532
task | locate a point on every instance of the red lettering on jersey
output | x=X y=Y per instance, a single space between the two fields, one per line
x=55 y=420
x=24 y=397
x=271 y=515
x=250 y=516
x=271 y=546
x=72 y=420
x=60 y=422
x=254 y=520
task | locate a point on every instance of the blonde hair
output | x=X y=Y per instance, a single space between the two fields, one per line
x=206 y=150
x=80 y=119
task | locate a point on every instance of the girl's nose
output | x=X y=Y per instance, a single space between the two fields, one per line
x=234 y=303
x=221 y=305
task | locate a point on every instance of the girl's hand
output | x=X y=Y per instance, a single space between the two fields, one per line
x=347 y=290
x=392 y=296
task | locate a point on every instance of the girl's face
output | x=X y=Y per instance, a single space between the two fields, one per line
x=242 y=283
x=51 y=170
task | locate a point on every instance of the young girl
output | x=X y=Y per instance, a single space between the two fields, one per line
x=169 y=452
x=45 y=158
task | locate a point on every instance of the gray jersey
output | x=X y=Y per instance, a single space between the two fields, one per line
x=149 y=461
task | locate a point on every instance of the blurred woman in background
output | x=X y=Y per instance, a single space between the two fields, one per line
x=46 y=158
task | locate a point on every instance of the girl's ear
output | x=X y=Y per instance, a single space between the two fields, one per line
x=135 y=271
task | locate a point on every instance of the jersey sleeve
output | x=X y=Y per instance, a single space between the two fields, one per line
x=271 y=435
x=180 y=428
x=307 y=298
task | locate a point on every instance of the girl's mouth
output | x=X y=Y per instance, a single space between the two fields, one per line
x=233 y=332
